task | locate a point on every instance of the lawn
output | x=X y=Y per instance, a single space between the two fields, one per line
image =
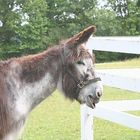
x=132 y=63
x=58 y=118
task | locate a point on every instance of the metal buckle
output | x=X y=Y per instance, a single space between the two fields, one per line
x=81 y=84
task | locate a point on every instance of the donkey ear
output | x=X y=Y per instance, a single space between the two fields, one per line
x=81 y=37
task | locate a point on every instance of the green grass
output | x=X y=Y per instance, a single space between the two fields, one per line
x=55 y=119
x=132 y=63
x=59 y=119
x=118 y=94
x=105 y=130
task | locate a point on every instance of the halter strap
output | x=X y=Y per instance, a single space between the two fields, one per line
x=82 y=84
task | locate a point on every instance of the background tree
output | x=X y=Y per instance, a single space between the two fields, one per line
x=117 y=18
x=128 y=13
x=30 y=26
x=23 y=27
x=67 y=17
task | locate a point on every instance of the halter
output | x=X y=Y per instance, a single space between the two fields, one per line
x=80 y=83
x=84 y=82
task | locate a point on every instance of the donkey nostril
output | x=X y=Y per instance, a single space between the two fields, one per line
x=98 y=94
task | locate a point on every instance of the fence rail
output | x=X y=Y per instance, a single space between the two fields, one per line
x=114 y=79
x=128 y=79
x=115 y=44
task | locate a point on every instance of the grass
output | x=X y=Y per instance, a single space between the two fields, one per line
x=54 y=119
x=59 y=119
x=132 y=63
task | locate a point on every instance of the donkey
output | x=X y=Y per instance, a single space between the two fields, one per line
x=28 y=80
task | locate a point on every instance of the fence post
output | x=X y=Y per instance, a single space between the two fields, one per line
x=86 y=124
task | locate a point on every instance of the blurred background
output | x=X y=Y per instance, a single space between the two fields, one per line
x=30 y=26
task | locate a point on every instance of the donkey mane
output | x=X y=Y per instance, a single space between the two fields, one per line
x=35 y=66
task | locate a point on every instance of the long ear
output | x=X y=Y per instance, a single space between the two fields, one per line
x=81 y=37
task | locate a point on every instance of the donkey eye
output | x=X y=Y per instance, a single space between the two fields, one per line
x=80 y=63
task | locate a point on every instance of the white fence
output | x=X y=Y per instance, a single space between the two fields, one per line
x=128 y=79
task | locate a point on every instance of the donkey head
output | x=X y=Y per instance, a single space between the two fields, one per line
x=79 y=79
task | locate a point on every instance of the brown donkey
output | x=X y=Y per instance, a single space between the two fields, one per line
x=28 y=80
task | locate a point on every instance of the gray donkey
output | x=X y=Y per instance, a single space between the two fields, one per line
x=28 y=80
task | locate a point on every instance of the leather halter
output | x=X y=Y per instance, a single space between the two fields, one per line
x=84 y=82
x=80 y=83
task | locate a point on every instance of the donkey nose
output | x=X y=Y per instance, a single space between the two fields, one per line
x=98 y=93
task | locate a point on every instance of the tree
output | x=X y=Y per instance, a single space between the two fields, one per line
x=67 y=17
x=128 y=13
x=32 y=25
x=105 y=21
x=9 y=21
x=117 y=18
x=29 y=26
x=23 y=26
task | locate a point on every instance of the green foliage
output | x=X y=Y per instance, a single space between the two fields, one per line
x=117 y=18
x=67 y=17
x=128 y=13
x=34 y=28
x=9 y=20
x=129 y=63
x=23 y=29
x=33 y=25
x=29 y=26
x=112 y=56
x=105 y=21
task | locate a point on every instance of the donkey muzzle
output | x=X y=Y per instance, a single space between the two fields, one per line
x=93 y=99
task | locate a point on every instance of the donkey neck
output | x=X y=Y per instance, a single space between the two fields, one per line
x=34 y=67
x=37 y=79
